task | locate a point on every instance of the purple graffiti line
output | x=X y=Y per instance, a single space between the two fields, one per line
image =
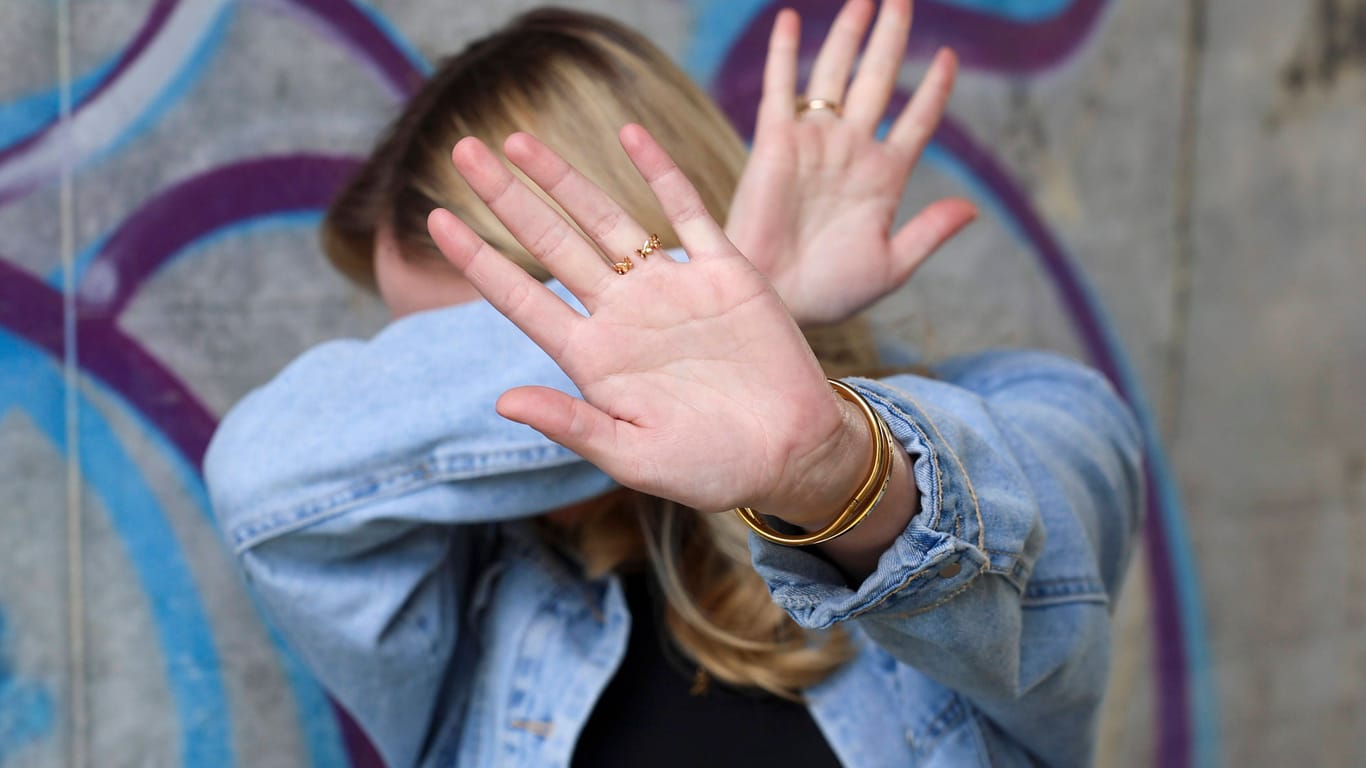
x=1172 y=707
x=150 y=238
x=155 y=20
x=982 y=41
x=172 y=220
x=32 y=310
x=995 y=44
x=363 y=34
x=212 y=201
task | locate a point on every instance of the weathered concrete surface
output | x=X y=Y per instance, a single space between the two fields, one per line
x=1269 y=432
x=1203 y=162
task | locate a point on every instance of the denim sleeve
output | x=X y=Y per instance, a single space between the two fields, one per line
x=352 y=489
x=1029 y=474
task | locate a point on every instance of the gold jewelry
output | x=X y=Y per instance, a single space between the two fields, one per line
x=865 y=498
x=623 y=266
x=651 y=245
x=815 y=105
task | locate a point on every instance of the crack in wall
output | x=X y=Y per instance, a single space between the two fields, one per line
x=1183 y=261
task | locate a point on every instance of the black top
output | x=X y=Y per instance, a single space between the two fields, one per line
x=648 y=714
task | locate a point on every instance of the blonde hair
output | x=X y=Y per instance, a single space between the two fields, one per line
x=573 y=79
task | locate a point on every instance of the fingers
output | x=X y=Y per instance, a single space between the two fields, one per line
x=538 y=227
x=877 y=72
x=540 y=314
x=779 y=99
x=835 y=61
x=696 y=229
x=597 y=214
x=927 y=231
x=569 y=421
x=918 y=121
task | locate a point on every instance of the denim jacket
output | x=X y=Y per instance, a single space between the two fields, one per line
x=379 y=508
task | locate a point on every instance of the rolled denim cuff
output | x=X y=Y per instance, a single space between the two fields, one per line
x=943 y=549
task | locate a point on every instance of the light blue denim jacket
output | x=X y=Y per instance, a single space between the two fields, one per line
x=379 y=508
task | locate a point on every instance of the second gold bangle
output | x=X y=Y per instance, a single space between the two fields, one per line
x=869 y=493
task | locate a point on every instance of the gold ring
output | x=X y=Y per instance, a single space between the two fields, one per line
x=623 y=266
x=815 y=105
x=651 y=245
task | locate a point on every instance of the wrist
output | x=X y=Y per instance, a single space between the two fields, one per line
x=828 y=476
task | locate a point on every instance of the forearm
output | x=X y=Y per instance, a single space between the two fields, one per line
x=1028 y=485
x=352 y=422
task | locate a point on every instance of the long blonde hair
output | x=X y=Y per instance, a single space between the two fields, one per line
x=573 y=79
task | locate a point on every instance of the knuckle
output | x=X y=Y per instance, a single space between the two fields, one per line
x=517 y=297
x=502 y=188
x=606 y=223
x=550 y=241
x=690 y=210
x=560 y=174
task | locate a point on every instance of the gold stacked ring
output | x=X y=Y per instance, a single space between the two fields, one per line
x=816 y=105
x=651 y=245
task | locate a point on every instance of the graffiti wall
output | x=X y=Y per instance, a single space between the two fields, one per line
x=1172 y=191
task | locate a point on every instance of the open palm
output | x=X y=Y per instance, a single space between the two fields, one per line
x=815 y=206
x=697 y=384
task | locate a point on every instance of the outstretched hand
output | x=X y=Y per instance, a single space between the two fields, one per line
x=816 y=203
x=697 y=384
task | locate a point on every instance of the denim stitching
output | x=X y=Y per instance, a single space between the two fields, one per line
x=429 y=471
x=977 y=507
x=936 y=726
x=933 y=451
x=924 y=608
x=902 y=586
x=1064 y=587
x=1051 y=602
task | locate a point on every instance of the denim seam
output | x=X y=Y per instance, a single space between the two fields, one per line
x=1053 y=601
x=978 y=738
x=1065 y=589
x=932 y=453
x=943 y=599
x=945 y=718
x=942 y=722
x=1014 y=562
x=431 y=470
x=967 y=480
x=899 y=588
x=1064 y=582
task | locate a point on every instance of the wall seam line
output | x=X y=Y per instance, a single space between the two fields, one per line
x=1183 y=261
x=75 y=554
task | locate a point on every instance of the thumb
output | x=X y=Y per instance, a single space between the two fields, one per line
x=569 y=421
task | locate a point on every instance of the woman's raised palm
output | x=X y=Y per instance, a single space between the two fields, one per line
x=697 y=384
x=816 y=204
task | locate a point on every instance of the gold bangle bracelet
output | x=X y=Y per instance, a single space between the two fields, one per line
x=869 y=493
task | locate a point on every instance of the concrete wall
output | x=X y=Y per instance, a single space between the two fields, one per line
x=1175 y=190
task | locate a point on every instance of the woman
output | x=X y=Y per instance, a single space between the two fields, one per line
x=397 y=531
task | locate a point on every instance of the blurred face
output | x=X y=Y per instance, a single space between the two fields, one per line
x=416 y=285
